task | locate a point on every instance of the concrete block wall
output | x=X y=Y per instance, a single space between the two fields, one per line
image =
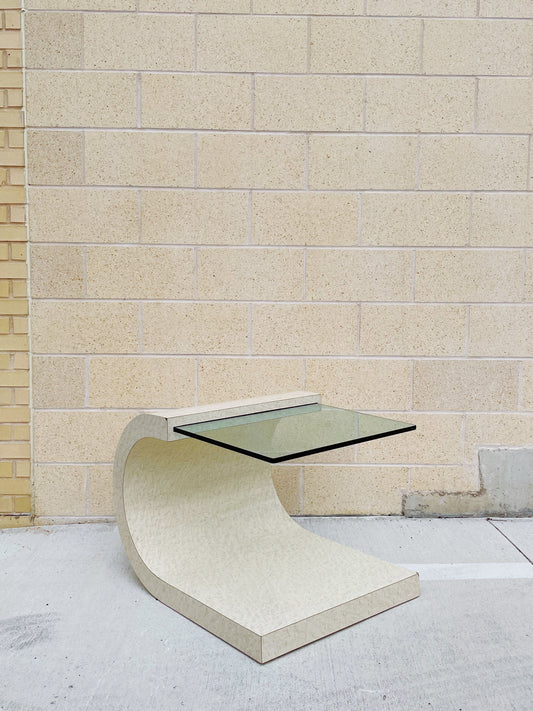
x=230 y=198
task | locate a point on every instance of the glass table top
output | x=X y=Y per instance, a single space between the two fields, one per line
x=287 y=433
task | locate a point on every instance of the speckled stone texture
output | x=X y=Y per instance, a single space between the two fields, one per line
x=207 y=535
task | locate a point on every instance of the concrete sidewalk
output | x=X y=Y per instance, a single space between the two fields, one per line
x=78 y=632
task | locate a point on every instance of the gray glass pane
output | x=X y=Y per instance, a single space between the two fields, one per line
x=291 y=432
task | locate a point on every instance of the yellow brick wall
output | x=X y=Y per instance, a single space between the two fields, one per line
x=230 y=198
x=15 y=500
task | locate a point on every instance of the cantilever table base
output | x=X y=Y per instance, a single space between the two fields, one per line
x=207 y=535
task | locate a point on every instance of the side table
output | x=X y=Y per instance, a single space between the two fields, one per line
x=207 y=535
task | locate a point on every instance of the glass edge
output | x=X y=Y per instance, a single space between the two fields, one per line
x=296 y=455
x=329 y=447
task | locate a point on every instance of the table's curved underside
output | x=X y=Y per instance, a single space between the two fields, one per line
x=207 y=535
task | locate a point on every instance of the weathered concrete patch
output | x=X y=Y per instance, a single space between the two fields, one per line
x=26 y=630
x=506 y=476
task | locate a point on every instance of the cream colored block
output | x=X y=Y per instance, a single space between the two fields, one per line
x=505 y=8
x=12 y=19
x=484 y=430
x=308 y=103
x=6 y=397
x=59 y=490
x=227 y=160
x=58 y=381
x=444 y=479
x=505 y=105
x=309 y=7
x=55 y=157
x=468 y=275
x=17 y=176
x=53 y=40
x=14 y=58
x=80 y=5
x=501 y=331
x=15 y=450
x=359 y=275
x=418 y=219
x=6 y=505
x=350 y=490
x=528 y=278
x=140 y=272
x=465 y=385
x=216 y=101
x=314 y=329
x=527 y=385
x=362 y=383
x=13 y=414
x=362 y=162
x=427 y=104
x=6 y=470
x=141 y=382
x=100 y=491
x=194 y=6
x=287 y=482
x=502 y=220
x=10 y=520
x=12 y=118
x=224 y=378
x=250 y=274
x=84 y=327
x=16 y=521
x=477 y=47
x=143 y=42
x=83 y=215
x=56 y=271
x=438 y=439
x=22 y=396
x=11 y=157
x=18 y=214
x=195 y=328
x=77 y=436
x=12 y=194
x=365 y=45
x=20 y=361
x=473 y=163
x=240 y=43
x=12 y=378
x=427 y=8
x=12 y=80
x=138 y=158
x=14 y=270
x=79 y=99
x=305 y=218
x=413 y=330
x=194 y=217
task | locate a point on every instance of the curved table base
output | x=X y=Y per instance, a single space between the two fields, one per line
x=207 y=535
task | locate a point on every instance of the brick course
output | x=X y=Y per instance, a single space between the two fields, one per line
x=15 y=485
